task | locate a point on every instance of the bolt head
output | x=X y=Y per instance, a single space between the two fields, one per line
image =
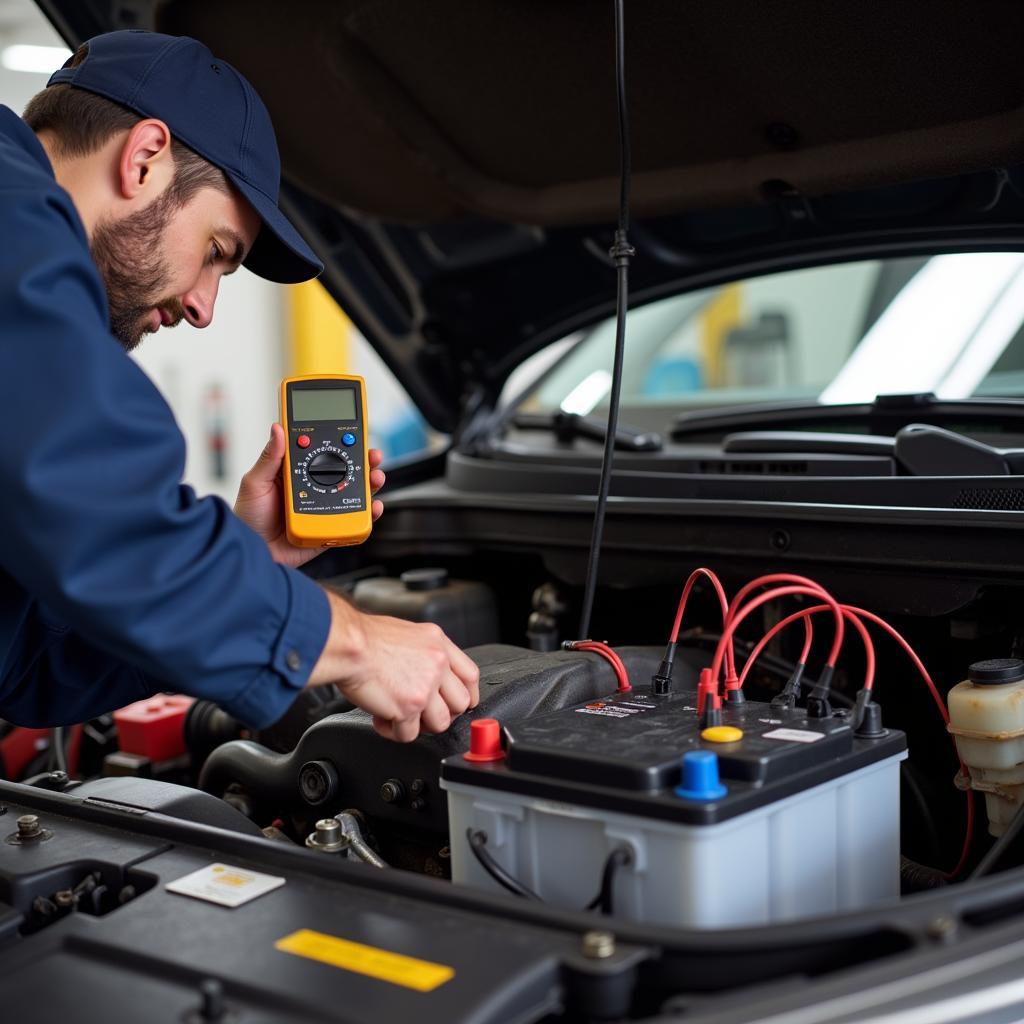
x=392 y=791
x=598 y=945
x=942 y=928
x=28 y=825
x=328 y=830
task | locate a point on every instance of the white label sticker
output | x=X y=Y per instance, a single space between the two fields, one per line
x=223 y=884
x=794 y=735
x=603 y=712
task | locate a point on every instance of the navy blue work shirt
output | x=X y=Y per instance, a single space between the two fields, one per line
x=116 y=581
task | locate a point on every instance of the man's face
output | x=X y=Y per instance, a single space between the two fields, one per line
x=163 y=264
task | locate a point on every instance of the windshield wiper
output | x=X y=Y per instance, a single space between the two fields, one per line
x=567 y=426
x=886 y=415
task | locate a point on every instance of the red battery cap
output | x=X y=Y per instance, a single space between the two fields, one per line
x=485 y=740
x=154 y=728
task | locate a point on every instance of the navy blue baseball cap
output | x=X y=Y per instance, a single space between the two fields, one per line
x=213 y=109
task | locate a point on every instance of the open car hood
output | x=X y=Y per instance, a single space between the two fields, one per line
x=455 y=165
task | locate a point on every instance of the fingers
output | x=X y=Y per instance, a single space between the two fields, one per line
x=443 y=706
x=455 y=694
x=377 y=479
x=398 y=731
x=383 y=727
x=268 y=465
x=273 y=452
x=436 y=717
x=405 y=731
x=465 y=668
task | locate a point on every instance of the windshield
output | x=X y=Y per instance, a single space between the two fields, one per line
x=950 y=324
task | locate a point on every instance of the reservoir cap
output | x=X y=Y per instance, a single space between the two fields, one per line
x=996 y=672
x=425 y=579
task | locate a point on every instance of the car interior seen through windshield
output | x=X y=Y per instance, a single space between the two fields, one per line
x=952 y=325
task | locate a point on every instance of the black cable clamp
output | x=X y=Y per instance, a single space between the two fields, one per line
x=621 y=251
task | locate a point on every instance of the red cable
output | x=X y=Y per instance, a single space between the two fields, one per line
x=770 y=578
x=805 y=653
x=597 y=647
x=722 y=600
x=733 y=683
x=854 y=615
x=918 y=664
x=805 y=614
x=937 y=697
x=737 y=615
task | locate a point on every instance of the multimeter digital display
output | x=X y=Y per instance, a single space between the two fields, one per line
x=326 y=467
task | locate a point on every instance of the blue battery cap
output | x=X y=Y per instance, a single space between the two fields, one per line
x=348 y=439
x=700 y=777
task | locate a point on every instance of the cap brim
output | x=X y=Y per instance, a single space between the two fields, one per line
x=279 y=253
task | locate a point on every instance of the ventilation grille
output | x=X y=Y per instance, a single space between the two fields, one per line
x=998 y=499
x=720 y=466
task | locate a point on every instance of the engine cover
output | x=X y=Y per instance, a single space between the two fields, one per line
x=341 y=762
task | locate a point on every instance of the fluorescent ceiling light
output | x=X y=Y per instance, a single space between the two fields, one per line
x=587 y=393
x=40 y=60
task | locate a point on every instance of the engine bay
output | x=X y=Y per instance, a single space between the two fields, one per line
x=763 y=770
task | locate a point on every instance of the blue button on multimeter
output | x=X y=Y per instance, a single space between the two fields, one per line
x=348 y=439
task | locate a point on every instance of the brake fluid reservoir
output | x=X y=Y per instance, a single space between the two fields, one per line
x=464 y=609
x=986 y=718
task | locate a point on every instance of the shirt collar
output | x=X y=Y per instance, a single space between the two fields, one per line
x=14 y=127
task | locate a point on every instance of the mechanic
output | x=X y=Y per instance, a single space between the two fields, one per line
x=143 y=173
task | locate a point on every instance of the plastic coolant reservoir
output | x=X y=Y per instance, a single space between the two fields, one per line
x=986 y=717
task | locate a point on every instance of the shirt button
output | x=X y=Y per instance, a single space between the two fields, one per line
x=293 y=661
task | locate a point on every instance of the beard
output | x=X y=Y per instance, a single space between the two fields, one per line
x=134 y=270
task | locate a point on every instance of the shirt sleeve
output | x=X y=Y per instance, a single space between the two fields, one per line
x=94 y=520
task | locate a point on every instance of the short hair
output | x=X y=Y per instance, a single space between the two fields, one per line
x=83 y=121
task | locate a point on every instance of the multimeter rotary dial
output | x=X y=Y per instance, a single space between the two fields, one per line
x=329 y=467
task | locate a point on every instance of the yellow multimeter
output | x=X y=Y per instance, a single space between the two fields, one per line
x=326 y=467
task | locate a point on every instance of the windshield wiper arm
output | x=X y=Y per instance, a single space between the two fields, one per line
x=886 y=415
x=567 y=426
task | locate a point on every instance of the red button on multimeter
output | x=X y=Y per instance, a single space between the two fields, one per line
x=302 y=440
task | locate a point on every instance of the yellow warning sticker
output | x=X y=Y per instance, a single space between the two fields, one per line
x=395 y=968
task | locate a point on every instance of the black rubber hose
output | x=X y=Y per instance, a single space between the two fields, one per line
x=620 y=857
x=267 y=777
x=919 y=877
x=58 y=755
x=478 y=844
x=999 y=847
x=208 y=726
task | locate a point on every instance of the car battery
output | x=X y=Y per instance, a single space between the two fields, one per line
x=769 y=817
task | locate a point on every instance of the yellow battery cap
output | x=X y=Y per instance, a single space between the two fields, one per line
x=722 y=734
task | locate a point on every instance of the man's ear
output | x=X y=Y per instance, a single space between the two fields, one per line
x=145 y=164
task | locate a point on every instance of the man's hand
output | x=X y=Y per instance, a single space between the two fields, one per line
x=408 y=675
x=260 y=501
